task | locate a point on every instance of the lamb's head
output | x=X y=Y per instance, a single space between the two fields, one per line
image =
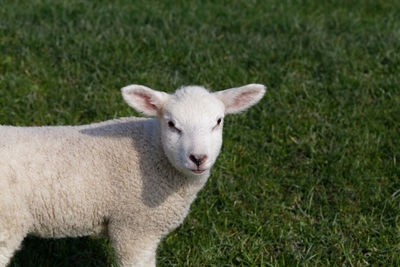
x=191 y=120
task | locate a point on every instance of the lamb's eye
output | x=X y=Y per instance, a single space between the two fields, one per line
x=218 y=123
x=172 y=126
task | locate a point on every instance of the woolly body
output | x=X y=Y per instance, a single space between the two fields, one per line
x=121 y=177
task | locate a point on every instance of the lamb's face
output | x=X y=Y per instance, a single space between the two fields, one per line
x=191 y=120
x=191 y=129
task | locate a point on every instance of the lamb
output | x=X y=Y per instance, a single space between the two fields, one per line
x=132 y=179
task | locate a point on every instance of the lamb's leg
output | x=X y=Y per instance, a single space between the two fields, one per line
x=9 y=243
x=134 y=250
x=13 y=226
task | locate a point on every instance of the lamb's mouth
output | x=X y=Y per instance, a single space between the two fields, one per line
x=198 y=171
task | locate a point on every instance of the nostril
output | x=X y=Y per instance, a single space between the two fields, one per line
x=198 y=159
x=203 y=159
x=193 y=158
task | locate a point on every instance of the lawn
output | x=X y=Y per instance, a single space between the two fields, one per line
x=308 y=177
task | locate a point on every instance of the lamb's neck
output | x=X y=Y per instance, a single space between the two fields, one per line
x=194 y=185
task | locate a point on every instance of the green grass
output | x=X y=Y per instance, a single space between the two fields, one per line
x=308 y=177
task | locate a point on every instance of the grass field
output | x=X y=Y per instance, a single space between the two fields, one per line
x=308 y=177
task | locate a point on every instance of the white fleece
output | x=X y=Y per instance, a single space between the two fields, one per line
x=110 y=178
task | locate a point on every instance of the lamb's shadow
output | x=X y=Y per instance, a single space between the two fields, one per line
x=82 y=251
x=149 y=152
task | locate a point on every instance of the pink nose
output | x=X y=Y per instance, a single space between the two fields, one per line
x=198 y=159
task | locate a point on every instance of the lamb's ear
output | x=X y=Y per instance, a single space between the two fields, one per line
x=144 y=99
x=241 y=98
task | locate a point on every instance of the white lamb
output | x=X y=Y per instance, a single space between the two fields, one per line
x=132 y=179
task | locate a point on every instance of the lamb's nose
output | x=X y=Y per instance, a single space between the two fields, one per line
x=198 y=159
